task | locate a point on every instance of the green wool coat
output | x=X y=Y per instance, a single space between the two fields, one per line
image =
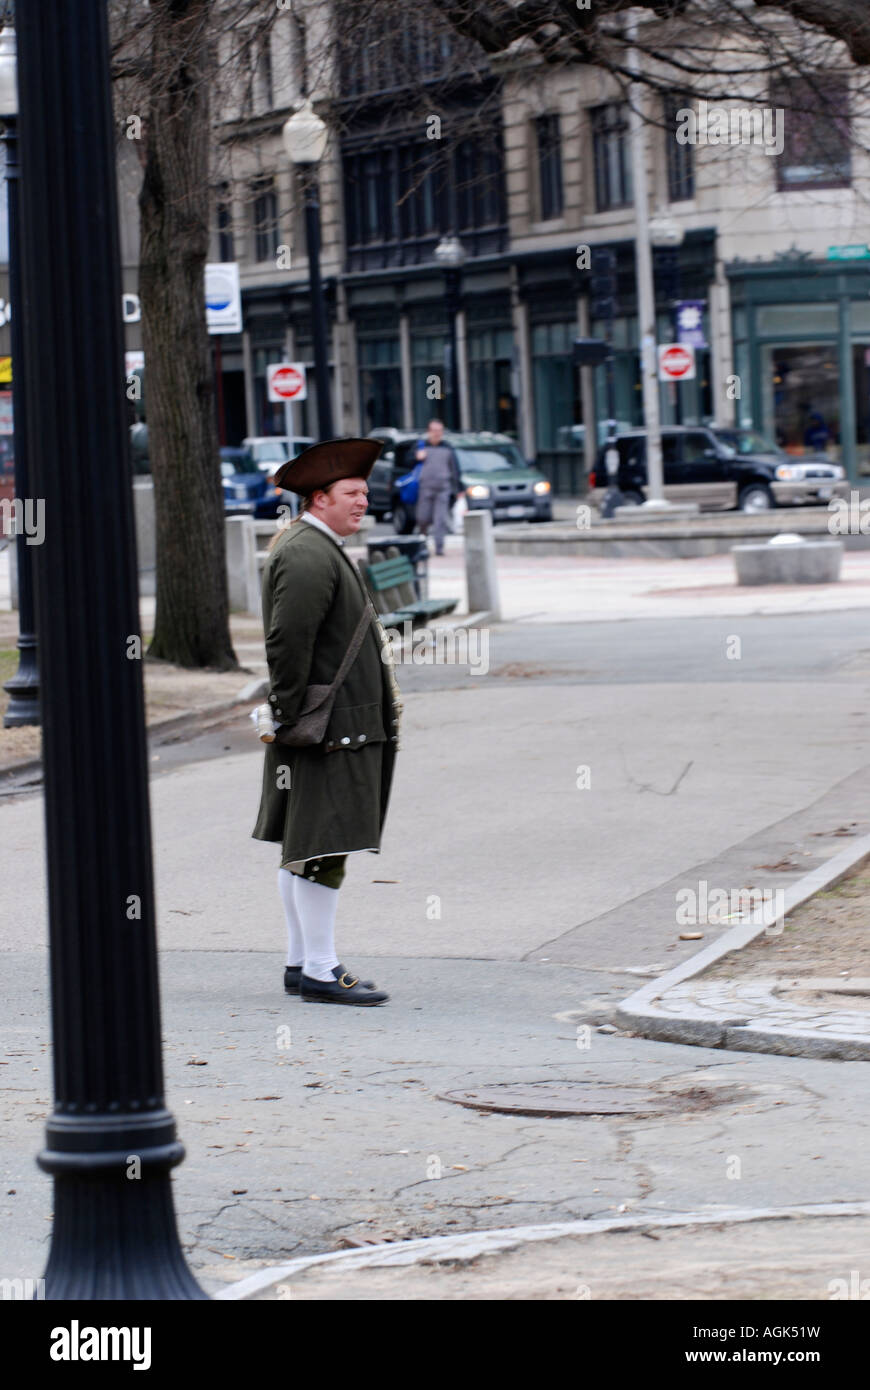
x=336 y=800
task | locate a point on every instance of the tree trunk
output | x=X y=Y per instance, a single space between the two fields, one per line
x=192 y=620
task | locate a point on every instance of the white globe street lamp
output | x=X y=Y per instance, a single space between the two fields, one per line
x=305 y=136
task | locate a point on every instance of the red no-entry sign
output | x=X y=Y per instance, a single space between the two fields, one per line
x=676 y=362
x=286 y=381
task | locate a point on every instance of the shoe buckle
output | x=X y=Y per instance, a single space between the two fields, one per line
x=346 y=982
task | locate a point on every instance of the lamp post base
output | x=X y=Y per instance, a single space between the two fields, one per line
x=115 y=1237
x=23 y=687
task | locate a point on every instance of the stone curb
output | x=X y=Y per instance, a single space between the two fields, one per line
x=254 y=691
x=639 y=1013
x=469 y=1245
x=171 y=724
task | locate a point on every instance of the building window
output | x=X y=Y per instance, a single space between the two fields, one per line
x=477 y=178
x=549 y=142
x=299 y=39
x=490 y=379
x=263 y=82
x=816 y=144
x=224 y=219
x=400 y=199
x=380 y=381
x=428 y=375
x=554 y=383
x=611 y=157
x=265 y=210
x=680 y=161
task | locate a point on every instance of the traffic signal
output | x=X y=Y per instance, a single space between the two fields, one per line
x=590 y=352
x=602 y=283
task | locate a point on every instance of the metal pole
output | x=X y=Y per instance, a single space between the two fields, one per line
x=453 y=301
x=646 y=310
x=318 y=306
x=23 y=687
x=111 y=1141
x=219 y=383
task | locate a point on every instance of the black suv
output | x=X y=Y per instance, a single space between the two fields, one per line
x=722 y=468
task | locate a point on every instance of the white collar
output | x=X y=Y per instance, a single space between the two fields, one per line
x=322 y=526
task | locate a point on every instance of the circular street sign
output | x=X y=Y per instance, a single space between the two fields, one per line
x=676 y=362
x=287 y=382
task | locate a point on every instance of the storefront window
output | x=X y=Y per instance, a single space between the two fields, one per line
x=861 y=376
x=628 y=390
x=428 y=377
x=797 y=319
x=555 y=383
x=491 y=399
x=802 y=397
x=380 y=382
x=270 y=417
x=686 y=402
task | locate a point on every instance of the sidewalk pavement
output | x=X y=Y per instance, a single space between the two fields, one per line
x=770 y=1003
x=761 y=1254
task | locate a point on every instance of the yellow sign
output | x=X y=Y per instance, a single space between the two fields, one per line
x=5 y=369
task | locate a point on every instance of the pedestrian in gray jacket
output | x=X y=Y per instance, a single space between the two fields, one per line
x=440 y=484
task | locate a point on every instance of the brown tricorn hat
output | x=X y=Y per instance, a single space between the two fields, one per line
x=327 y=463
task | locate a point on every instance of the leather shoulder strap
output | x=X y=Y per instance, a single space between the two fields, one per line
x=356 y=642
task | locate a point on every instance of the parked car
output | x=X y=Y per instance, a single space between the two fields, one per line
x=247 y=490
x=271 y=450
x=494 y=474
x=573 y=437
x=382 y=479
x=720 y=469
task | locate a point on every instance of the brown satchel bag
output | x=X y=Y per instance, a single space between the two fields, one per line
x=311 y=723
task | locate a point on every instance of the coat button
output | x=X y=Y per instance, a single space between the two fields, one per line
x=277 y=711
x=360 y=738
x=345 y=740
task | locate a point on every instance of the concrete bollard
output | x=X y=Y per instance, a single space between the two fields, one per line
x=243 y=577
x=481 y=575
x=146 y=538
x=798 y=562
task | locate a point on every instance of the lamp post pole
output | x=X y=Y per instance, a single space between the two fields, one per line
x=305 y=136
x=450 y=253
x=23 y=687
x=110 y=1141
x=318 y=305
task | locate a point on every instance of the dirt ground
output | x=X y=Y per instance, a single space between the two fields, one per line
x=828 y=936
x=169 y=690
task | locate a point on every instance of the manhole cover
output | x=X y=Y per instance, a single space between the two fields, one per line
x=580 y=1098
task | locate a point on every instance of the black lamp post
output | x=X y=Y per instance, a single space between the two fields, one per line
x=111 y=1141
x=305 y=136
x=23 y=687
x=450 y=253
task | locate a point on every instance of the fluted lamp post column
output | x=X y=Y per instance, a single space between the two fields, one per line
x=111 y=1141
x=305 y=136
x=23 y=687
x=450 y=254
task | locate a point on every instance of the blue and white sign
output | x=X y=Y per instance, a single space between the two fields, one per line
x=223 y=298
x=690 y=322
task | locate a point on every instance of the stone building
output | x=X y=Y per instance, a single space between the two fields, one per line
x=527 y=167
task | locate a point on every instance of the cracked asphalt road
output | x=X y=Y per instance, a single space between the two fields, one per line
x=517 y=909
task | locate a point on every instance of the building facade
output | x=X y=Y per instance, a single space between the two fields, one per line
x=530 y=168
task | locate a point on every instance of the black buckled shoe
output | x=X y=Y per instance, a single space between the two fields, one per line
x=292 y=975
x=345 y=989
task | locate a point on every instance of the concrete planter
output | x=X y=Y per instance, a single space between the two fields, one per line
x=801 y=562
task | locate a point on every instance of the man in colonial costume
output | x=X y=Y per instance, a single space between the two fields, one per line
x=324 y=801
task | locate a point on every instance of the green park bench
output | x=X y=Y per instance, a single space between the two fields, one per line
x=390 y=581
